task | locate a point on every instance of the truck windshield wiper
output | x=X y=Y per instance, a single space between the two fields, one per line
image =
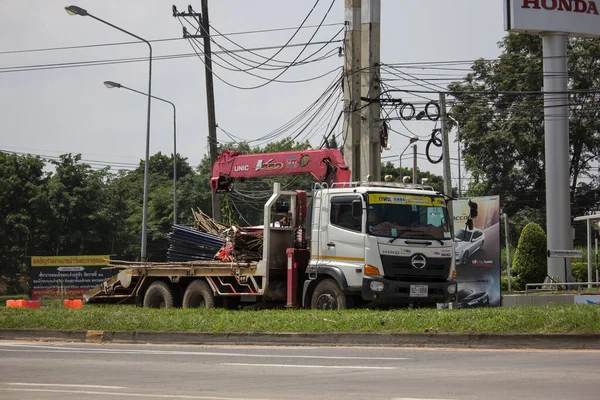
x=417 y=233
x=405 y=230
x=431 y=237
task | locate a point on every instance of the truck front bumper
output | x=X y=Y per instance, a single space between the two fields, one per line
x=396 y=292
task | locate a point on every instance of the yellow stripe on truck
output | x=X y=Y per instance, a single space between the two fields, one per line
x=342 y=258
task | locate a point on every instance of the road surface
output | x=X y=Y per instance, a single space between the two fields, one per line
x=33 y=370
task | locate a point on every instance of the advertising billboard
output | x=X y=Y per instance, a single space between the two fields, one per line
x=575 y=17
x=66 y=276
x=478 y=252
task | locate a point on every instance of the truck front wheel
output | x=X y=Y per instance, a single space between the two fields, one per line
x=328 y=296
x=198 y=295
x=158 y=295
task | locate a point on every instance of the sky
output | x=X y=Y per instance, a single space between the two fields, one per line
x=53 y=111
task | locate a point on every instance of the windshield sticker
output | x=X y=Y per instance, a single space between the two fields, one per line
x=380 y=198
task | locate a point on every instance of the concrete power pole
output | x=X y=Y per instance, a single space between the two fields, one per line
x=446 y=153
x=210 y=104
x=351 y=81
x=445 y=146
x=370 y=149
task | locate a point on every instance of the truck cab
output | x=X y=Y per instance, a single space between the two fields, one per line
x=379 y=243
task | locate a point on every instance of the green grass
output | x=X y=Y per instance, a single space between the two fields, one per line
x=12 y=297
x=544 y=319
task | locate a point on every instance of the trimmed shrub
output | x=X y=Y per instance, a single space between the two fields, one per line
x=580 y=271
x=531 y=262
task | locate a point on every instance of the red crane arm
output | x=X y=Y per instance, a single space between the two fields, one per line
x=326 y=165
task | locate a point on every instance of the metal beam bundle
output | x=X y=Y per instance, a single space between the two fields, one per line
x=187 y=244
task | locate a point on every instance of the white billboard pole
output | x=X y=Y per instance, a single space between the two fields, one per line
x=556 y=128
x=556 y=20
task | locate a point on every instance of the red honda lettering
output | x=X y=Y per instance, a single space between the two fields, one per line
x=565 y=5
x=532 y=3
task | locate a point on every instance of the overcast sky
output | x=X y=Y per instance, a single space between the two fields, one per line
x=69 y=110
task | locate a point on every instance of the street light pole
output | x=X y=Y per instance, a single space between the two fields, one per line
x=458 y=140
x=411 y=141
x=74 y=10
x=110 y=85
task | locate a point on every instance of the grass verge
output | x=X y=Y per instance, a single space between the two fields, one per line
x=544 y=319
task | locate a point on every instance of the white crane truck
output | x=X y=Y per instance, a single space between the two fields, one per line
x=345 y=244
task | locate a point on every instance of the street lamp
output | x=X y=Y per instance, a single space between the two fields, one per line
x=411 y=141
x=110 y=85
x=74 y=10
x=458 y=140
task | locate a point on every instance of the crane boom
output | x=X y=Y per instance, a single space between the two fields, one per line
x=326 y=165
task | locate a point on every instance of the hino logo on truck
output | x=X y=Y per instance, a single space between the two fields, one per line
x=391 y=252
x=418 y=261
x=578 y=6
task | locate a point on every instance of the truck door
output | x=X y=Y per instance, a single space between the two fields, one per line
x=343 y=241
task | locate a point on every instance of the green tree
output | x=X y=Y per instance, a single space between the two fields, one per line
x=160 y=203
x=436 y=181
x=76 y=198
x=22 y=183
x=530 y=262
x=500 y=106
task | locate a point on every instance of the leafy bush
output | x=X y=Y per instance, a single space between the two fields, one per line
x=580 y=270
x=530 y=262
x=504 y=282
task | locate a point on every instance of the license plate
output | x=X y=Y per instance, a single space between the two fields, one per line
x=418 y=290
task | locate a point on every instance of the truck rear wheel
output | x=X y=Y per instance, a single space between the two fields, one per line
x=158 y=295
x=198 y=295
x=328 y=296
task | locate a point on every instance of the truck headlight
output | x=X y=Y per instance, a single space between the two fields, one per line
x=452 y=289
x=377 y=286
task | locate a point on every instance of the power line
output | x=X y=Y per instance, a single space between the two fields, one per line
x=160 y=40
x=41 y=67
x=282 y=72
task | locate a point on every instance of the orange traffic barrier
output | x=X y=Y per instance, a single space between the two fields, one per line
x=16 y=303
x=33 y=304
x=73 y=303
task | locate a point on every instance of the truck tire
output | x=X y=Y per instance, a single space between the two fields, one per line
x=158 y=295
x=198 y=295
x=328 y=296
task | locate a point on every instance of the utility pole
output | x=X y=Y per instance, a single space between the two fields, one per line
x=414 y=178
x=210 y=104
x=445 y=146
x=446 y=153
x=351 y=84
x=370 y=151
x=204 y=33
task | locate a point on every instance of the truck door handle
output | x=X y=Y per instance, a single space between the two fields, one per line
x=330 y=244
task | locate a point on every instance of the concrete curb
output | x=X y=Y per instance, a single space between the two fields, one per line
x=480 y=341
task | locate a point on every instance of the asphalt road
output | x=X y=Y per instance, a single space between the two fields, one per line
x=74 y=371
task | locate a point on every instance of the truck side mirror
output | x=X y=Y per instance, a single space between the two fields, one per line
x=357 y=208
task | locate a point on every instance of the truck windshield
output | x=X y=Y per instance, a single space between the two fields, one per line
x=408 y=216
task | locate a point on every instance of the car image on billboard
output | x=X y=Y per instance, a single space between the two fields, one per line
x=468 y=242
x=467 y=298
